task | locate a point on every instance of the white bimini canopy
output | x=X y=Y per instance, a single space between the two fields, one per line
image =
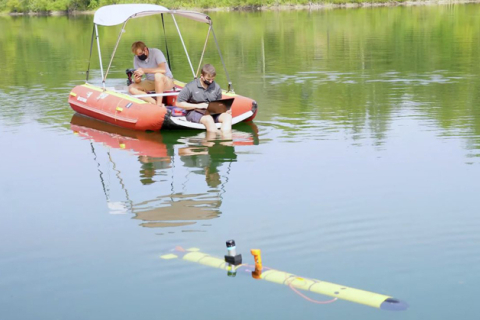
x=119 y=13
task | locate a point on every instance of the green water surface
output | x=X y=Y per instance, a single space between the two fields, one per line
x=361 y=168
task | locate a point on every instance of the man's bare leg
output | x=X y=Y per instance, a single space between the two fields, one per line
x=135 y=89
x=226 y=135
x=209 y=124
x=226 y=120
x=162 y=83
x=211 y=135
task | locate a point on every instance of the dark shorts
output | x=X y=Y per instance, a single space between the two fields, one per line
x=195 y=116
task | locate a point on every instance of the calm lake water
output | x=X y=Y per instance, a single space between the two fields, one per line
x=362 y=168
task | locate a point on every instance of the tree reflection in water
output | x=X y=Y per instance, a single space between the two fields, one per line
x=167 y=162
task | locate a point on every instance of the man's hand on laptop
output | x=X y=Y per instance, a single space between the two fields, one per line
x=202 y=106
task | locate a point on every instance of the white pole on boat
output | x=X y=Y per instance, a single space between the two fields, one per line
x=183 y=43
x=115 y=50
x=203 y=52
x=155 y=95
x=100 y=56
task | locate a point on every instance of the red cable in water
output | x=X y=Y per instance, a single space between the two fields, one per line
x=296 y=291
x=179 y=248
x=307 y=298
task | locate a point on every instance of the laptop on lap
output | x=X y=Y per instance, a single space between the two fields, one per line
x=220 y=106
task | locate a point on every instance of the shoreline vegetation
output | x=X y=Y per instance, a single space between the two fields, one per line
x=71 y=7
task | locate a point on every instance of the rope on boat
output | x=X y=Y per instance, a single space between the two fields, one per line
x=114 y=50
x=203 y=52
x=230 y=86
x=183 y=43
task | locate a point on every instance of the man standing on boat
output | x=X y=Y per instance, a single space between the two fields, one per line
x=195 y=96
x=151 y=63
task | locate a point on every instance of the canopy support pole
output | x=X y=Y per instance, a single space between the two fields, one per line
x=100 y=57
x=230 y=86
x=90 y=57
x=114 y=50
x=184 y=47
x=203 y=52
x=166 y=45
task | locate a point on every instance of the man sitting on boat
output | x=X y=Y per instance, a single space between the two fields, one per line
x=195 y=96
x=151 y=63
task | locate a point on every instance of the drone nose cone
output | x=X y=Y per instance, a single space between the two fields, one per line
x=393 y=304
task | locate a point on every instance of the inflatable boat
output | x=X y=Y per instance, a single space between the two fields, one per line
x=117 y=106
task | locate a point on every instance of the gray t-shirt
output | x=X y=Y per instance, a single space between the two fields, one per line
x=194 y=92
x=155 y=57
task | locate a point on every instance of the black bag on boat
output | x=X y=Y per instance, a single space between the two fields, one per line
x=129 y=73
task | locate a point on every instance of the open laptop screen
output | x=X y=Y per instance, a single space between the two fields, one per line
x=220 y=106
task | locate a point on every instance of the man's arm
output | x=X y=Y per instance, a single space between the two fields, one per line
x=190 y=106
x=161 y=68
x=136 y=78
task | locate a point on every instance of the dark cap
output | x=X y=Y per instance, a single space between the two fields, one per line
x=230 y=243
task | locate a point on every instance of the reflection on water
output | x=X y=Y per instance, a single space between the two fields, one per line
x=367 y=120
x=163 y=158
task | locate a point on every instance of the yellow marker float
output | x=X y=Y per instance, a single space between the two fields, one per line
x=337 y=291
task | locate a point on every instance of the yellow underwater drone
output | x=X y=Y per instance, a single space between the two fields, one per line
x=233 y=265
